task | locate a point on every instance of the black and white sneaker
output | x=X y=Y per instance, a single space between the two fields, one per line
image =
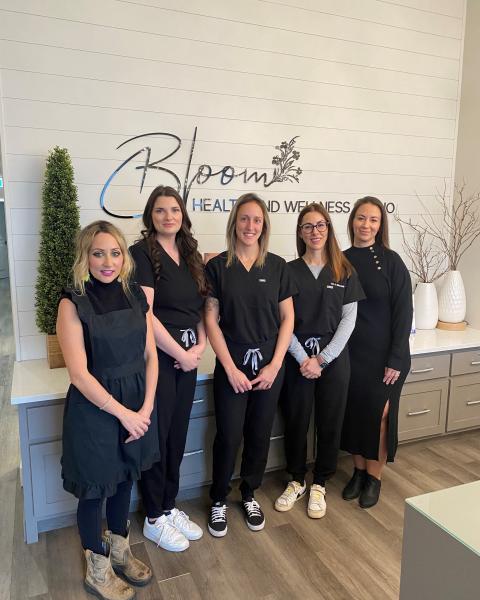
x=217 y=520
x=254 y=516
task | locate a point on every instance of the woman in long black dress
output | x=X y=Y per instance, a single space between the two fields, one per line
x=317 y=366
x=249 y=319
x=106 y=336
x=170 y=270
x=379 y=351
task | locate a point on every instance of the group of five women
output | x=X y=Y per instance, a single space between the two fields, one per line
x=279 y=332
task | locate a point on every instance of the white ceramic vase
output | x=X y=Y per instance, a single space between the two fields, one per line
x=452 y=303
x=426 y=306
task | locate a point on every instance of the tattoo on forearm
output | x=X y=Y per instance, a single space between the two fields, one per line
x=212 y=304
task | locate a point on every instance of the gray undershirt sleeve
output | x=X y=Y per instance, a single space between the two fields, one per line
x=297 y=350
x=343 y=333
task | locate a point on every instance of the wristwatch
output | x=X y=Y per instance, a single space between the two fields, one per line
x=322 y=364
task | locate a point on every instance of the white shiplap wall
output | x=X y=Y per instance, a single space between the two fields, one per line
x=371 y=88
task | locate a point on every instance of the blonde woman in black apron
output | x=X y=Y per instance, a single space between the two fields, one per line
x=105 y=333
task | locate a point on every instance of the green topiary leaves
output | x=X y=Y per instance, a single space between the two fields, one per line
x=60 y=224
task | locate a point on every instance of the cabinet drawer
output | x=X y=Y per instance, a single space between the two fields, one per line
x=202 y=400
x=464 y=404
x=45 y=422
x=276 y=454
x=429 y=367
x=466 y=362
x=423 y=409
x=196 y=466
x=49 y=497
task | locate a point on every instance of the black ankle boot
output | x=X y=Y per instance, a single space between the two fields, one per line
x=371 y=492
x=354 y=487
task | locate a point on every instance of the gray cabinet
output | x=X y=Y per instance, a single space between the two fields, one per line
x=441 y=394
x=464 y=404
x=48 y=506
x=423 y=407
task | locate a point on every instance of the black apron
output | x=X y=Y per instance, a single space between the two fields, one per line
x=95 y=457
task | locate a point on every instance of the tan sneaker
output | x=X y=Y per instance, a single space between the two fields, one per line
x=123 y=561
x=101 y=581
x=293 y=492
x=317 y=507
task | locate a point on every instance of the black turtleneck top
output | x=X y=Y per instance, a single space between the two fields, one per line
x=105 y=298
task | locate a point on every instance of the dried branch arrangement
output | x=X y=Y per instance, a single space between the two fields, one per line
x=447 y=239
x=426 y=259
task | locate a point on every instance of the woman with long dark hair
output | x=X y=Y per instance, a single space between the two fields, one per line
x=379 y=351
x=249 y=320
x=317 y=367
x=105 y=332
x=170 y=270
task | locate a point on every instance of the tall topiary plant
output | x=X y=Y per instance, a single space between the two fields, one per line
x=60 y=224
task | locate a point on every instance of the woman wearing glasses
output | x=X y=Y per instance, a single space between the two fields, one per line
x=317 y=363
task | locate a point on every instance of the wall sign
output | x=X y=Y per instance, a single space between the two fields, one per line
x=284 y=162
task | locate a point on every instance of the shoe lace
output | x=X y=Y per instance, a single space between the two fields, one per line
x=218 y=513
x=316 y=495
x=181 y=517
x=291 y=491
x=253 y=508
x=168 y=531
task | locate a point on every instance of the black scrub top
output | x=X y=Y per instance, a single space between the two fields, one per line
x=177 y=302
x=248 y=300
x=319 y=302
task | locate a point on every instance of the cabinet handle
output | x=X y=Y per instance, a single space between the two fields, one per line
x=427 y=370
x=419 y=412
x=475 y=362
x=472 y=402
x=276 y=437
x=185 y=454
x=198 y=401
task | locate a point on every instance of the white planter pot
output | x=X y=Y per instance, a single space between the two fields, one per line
x=426 y=306
x=452 y=303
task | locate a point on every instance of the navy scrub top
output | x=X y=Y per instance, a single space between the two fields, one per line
x=319 y=303
x=248 y=300
x=177 y=302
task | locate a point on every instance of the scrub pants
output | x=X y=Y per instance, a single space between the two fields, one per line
x=329 y=392
x=174 y=398
x=248 y=414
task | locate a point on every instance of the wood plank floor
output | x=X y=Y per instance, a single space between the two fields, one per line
x=350 y=554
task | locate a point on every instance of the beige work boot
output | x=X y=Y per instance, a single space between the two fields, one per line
x=101 y=581
x=135 y=571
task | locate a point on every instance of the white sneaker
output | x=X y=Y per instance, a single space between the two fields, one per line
x=182 y=522
x=165 y=535
x=317 y=507
x=293 y=492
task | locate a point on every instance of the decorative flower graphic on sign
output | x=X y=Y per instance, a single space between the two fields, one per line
x=285 y=169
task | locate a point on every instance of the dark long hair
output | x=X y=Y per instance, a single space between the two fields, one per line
x=336 y=260
x=382 y=235
x=187 y=245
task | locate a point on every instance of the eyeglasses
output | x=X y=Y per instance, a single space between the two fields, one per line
x=320 y=226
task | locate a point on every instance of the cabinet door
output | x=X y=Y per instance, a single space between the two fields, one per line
x=49 y=497
x=196 y=467
x=464 y=403
x=423 y=409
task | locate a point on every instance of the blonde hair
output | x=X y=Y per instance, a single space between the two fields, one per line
x=231 y=234
x=84 y=242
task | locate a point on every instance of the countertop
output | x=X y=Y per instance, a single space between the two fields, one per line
x=33 y=381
